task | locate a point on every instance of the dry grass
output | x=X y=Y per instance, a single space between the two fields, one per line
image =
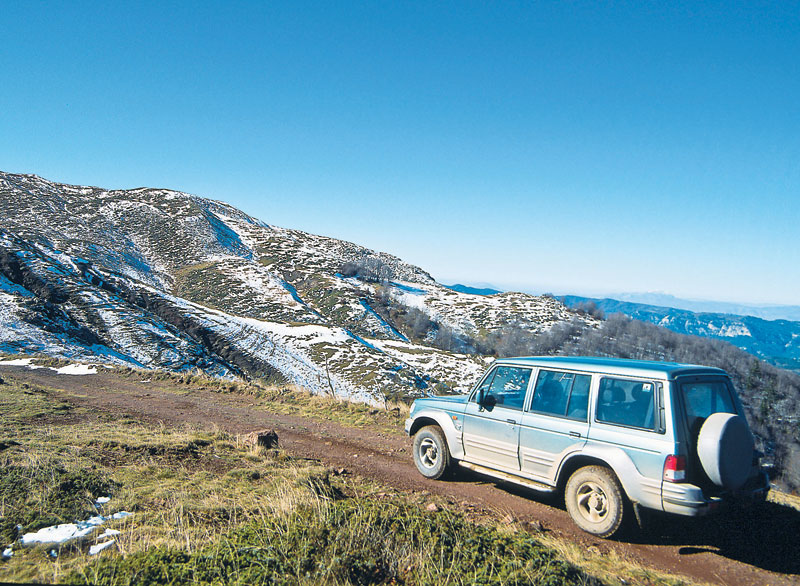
x=609 y=567
x=193 y=488
x=785 y=499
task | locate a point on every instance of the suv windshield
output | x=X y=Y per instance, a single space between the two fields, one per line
x=703 y=399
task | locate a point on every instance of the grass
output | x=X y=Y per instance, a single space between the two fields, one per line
x=211 y=508
x=286 y=399
x=350 y=541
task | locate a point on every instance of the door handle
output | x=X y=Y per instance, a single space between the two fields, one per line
x=574 y=434
x=511 y=421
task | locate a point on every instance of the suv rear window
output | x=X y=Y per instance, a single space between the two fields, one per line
x=703 y=399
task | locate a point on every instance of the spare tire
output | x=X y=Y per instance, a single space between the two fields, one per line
x=725 y=448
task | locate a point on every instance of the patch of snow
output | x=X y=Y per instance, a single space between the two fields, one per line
x=102 y=500
x=728 y=330
x=8 y=552
x=95 y=549
x=309 y=334
x=77 y=369
x=405 y=287
x=68 y=531
x=19 y=362
x=62 y=533
x=108 y=533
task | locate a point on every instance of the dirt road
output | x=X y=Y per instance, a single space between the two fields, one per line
x=755 y=550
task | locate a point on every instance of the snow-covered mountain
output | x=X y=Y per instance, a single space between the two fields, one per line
x=159 y=278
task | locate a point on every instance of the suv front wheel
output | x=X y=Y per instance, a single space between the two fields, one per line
x=430 y=452
x=594 y=500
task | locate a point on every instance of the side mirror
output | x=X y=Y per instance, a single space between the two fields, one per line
x=488 y=402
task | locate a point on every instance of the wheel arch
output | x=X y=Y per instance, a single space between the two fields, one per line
x=443 y=421
x=421 y=422
x=575 y=463
x=636 y=488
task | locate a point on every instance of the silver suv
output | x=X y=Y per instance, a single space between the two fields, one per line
x=664 y=436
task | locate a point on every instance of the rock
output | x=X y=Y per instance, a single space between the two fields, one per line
x=536 y=526
x=433 y=508
x=265 y=439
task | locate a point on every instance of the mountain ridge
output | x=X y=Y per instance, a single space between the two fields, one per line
x=156 y=277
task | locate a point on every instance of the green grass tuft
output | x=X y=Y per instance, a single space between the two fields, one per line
x=348 y=542
x=46 y=494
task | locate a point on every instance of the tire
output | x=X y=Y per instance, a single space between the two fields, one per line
x=725 y=449
x=595 y=500
x=431 y=454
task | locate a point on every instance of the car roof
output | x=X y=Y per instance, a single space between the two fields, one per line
x=617 y=366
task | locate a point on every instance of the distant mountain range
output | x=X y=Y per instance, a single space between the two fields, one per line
x=776 y=341
x=757 y=329
x=768 y=312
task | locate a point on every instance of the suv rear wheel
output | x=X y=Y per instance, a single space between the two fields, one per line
x=594 y=500
x=430 y=452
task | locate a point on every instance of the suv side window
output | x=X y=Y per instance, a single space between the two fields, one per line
x=565 y=394
x=626 y=402
x=508 y=386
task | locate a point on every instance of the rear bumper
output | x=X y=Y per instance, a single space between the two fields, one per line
x=690 y=501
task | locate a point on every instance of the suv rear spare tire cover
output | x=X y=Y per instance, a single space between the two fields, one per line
x=725 y=449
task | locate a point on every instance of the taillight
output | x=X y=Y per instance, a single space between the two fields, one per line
x=675 y=468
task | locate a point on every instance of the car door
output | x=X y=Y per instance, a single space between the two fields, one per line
x=491 y=432
x=626 y=417
x=555 y=423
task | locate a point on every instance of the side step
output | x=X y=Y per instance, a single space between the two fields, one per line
x=512 y=478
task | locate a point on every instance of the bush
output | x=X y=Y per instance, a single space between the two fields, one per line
x=369 y=269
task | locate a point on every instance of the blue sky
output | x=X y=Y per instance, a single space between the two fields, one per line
x=565 y=147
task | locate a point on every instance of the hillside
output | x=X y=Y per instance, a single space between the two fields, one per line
x=161 y=279
x=158 y=278
x=777 y=341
